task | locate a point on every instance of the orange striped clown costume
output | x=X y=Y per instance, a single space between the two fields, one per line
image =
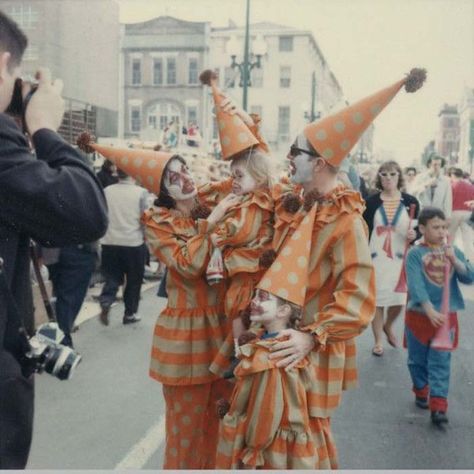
x=187 y=336
x=268 y=425
x=247 y=229
x=244 y=234
x=192 y=327
x=340 y=298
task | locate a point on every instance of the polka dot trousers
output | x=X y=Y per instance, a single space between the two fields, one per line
x=192 y=424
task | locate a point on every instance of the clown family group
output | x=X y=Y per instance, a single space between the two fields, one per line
x=274 y=274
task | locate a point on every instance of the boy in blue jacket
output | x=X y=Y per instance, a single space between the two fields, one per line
x=429 y=367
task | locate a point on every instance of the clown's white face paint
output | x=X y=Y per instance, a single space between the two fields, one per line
x=301 y=165
x=264 y=305
x=243 y=182
x=179 y=182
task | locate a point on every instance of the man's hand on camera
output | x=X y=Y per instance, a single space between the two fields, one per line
x=46 y=107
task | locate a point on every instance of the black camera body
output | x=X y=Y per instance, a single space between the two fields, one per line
x=43 y=352
x=18 y=104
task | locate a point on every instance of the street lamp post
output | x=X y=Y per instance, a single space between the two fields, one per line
x=313 y=115
x=246 y=66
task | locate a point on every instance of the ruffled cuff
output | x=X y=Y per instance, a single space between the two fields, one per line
x=252 y=457
x=320 y=334
x=203 y=226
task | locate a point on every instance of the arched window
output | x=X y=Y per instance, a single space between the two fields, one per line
x=161 y=114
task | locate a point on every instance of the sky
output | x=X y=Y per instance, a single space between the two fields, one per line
x=369 y=44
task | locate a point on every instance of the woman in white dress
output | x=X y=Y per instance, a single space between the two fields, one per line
x=388 y=218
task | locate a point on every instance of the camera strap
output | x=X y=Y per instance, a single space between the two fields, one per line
x=12 y=308
x=39 y=278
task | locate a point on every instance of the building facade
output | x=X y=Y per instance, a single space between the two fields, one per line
x=447 y=140
x=161 y=61
x=282 y=90
x=466 y=132
x=79 y=47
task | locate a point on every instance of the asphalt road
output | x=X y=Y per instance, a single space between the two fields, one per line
x=110 y=415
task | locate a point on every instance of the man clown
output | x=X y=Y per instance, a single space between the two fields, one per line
x=340 y=297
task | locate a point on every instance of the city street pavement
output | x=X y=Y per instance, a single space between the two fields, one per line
x=110 y=415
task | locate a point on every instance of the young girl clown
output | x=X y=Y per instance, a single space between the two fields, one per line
x=246 y=230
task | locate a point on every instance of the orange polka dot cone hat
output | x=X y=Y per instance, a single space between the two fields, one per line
x=146 y=166
x=234 y=135
x=288 y=276
x=335 y=135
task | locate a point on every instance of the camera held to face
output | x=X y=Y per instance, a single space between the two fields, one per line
x=18 y=104
x=47 y=354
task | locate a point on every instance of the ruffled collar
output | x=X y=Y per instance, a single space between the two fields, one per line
x=255 y=357
x=261 y=197
x=337 y=202
x=180 y=224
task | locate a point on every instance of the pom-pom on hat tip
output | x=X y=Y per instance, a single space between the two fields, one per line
x=415 y=79
x=207 y=77
x=84 y=142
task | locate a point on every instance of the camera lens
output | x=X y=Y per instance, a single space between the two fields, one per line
x=61 y=361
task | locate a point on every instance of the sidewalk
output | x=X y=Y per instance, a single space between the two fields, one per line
x=91 y=308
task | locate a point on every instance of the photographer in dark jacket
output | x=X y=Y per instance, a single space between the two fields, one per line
x=54 y=199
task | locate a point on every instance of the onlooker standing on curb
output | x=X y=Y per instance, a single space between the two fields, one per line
x=56 y=200
x=409 y=174
x=123 y=247
x=107 y=174
x=70 y=274
x=463 y=192
x=432 y=188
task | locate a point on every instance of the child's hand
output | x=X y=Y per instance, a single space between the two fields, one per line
x=219 y=211
x=229 y=106
x=470 y=204
x=450 y=255
x=436 y=318
x=214 y=239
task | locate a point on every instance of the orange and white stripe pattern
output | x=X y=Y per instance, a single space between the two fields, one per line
x=245 y=234
x=192 y=327
x=340 y=297
x=268 y=424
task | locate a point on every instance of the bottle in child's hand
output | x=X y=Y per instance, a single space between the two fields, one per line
x=215 y=268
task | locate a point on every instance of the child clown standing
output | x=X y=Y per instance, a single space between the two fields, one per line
x=425 y=266
x=246 y=230
x=268 y=424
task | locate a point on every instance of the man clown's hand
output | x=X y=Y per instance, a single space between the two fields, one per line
x=294 y=349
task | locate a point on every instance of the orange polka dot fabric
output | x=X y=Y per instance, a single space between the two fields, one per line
x=235 y=136
x=146 y=166
x=192 y=424
x=334 y=136
x=287 y=277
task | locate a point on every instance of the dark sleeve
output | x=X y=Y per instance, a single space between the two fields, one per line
x=408 y=200
x=56 y=198
x=372 y=204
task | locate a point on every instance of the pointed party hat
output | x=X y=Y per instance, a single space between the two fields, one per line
x=335 y=135
x=234 y=135
x=146 y=166
x=288 y=276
